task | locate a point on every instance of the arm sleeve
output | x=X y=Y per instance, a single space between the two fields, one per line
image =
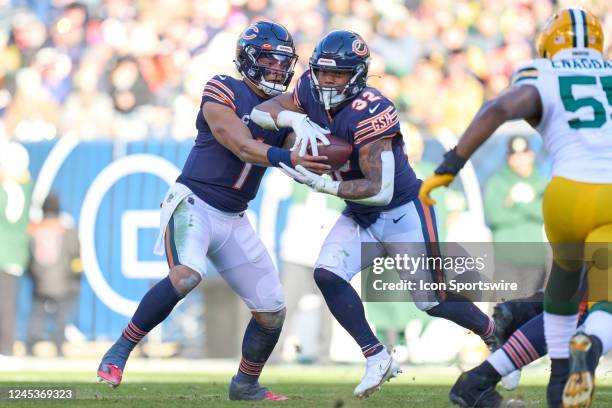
x=378 y=125
x=218 y=90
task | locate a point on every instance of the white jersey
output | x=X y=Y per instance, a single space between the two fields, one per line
x=576 y=124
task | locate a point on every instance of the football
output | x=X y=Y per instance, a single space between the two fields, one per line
x=338 y=151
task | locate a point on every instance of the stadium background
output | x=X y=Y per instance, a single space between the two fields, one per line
x=88 y=86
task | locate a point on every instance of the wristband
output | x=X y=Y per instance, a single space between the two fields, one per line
x=451 y=164
x=276 y=155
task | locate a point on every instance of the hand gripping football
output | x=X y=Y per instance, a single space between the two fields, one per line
x=338 y=151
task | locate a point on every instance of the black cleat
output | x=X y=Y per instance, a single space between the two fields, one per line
x=475 y=390
x=585 y=352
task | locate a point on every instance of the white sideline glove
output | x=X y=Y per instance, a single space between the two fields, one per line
x=314 y=181
x=306 y=131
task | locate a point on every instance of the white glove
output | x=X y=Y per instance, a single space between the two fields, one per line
x=314 y=181
x=306 y=131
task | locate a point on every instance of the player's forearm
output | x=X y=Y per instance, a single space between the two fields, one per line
x=243 y=145
x=522 y=102
x=358 y=189
x=254 y=152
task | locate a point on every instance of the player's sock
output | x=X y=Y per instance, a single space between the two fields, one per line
x=257 y=345
x=346 y=306
x=527 y=344
x=599 y=324
x=558 y=330
x=153 y=309
x=466 y=314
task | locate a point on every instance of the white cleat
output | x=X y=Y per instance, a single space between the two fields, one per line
x=511 y=381
x=377 y=372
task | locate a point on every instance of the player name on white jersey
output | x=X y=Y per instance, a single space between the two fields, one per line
x=581 y=63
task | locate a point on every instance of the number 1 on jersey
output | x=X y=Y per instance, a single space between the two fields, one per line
x=246 y=169
x=244 y=173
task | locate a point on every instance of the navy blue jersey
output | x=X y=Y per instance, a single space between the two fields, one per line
x=366 y=118
x=212 y=171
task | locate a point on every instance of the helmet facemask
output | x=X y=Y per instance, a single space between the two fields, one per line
x=270 y=63
x=331 y=97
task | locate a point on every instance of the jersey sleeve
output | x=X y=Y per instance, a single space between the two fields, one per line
x=218 y=89
x=376 y=123
x=528 y=73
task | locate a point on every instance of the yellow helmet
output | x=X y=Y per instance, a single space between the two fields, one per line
x=570 y=28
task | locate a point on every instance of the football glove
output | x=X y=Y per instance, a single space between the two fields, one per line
x=314 y=181
x=306 y=131
x=432 y=182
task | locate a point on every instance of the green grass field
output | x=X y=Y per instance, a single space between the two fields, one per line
x=306 y=386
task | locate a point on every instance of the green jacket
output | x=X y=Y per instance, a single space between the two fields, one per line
x=513 y=207
x=14 y=218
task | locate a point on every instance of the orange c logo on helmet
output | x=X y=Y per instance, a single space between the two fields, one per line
x=360 y=48
x=250 y=32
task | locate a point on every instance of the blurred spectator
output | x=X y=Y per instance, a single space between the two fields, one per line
x=28 y=35
x=88 y=113
x=462 y=96
x=15 y=190
x=513 y=207
x=185 y=108
x=131 y=96
x=68 y=31
x=54 y=68
x=56 y=269
x=33 y=114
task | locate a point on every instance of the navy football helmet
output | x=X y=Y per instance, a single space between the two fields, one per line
x=265 y=49
x=343 y=51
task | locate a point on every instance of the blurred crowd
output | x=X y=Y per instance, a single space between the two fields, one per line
x=135 y=69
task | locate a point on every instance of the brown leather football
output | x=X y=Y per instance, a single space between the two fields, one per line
x=338 y=151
